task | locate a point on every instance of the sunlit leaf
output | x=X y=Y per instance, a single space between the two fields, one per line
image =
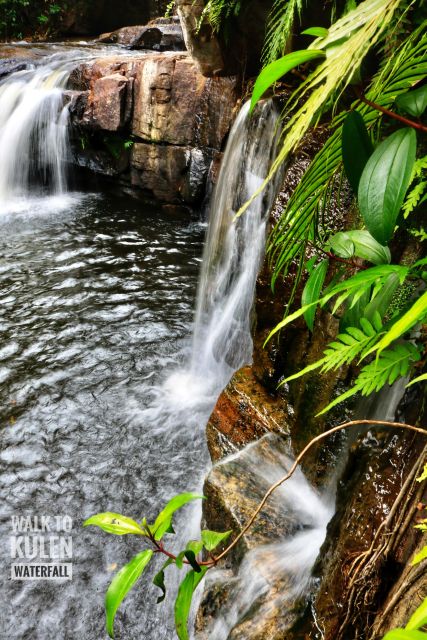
x=418 y=618
x=122 y=583
x=420 y=556
x=403 y=634
x=183 y=601
x=418 y=379
x=164 y=519
x=275 y=70
x=211 y=539
x=115 y=523
x=318 y=32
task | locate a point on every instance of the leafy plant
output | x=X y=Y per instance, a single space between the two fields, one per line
x=128 y=575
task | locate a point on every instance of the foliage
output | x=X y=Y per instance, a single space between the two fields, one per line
x=128 y=575
x=18 y=16
x=218 y=12
x=279 y=28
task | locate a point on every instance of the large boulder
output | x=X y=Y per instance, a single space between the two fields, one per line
x=175 y=104
x=161 y=34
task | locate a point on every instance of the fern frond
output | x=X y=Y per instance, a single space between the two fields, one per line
x=392 y=364
x=414 y=197
x=353 y=342
x=279 y=28
x=288 y=238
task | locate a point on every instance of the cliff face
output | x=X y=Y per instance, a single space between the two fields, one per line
x=153 y=122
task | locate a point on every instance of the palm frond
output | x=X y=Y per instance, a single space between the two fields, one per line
x=398 y=74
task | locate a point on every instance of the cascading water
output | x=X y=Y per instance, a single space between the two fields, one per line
x=104 y=308
x=34 y=133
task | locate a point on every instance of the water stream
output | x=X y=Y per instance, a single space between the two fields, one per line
x=105 y=393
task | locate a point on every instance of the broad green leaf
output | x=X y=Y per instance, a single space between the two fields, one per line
x=384 y=182
x=183 y=601
x=122 y=583
x=115 y=523
x=211 y=539
x=195 y=546
x=318 y=32
x=275 y=70
x=413 y=316
x=356 y=147
x=367 y=248
x=418 y=379
x=159 y=580
x=414 y=102
x=419 y=617
x=403 y=634
x=420 y=556
x=342 y=245
x=312 y=291
x=164 y=519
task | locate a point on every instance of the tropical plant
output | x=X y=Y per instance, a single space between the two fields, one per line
x=128 y=575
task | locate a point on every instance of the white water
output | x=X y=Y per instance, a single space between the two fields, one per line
x=34 y=133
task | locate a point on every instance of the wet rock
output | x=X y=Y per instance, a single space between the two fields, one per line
x=244 y=412
x=370 y=505
x=172 y=174
x=163 y=34
x=108 y=102
x=174 y=103
x=235 y=486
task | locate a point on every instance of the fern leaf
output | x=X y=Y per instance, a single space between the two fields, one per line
x=414 y=196
x=279 y=28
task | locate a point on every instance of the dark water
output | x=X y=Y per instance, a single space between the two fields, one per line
x=96 y=306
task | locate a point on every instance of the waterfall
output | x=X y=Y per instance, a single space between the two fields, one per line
x=33 y=138
x=234 y=248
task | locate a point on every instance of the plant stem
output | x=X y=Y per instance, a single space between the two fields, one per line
x=322 y=436
x=392 y=114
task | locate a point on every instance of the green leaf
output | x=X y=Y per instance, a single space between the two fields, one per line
x=211 y=539
x=420 y=378
x=384 y=182
x=356 y=147
x=412 y=317
x=159 y=580
x=318 y=32
x=312 y=291
x=420 y=556
x=164 y=519
x=418 y=618
x=402 y=634
x=115 y=523
x=380 y=303
x=275 y=70
x=342 y=245
x=367 y=248
x=183 y=601
x=414 y=102
x=423 y=476
x=122 y=583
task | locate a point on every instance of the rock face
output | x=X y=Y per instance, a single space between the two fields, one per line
x=173 y=119
x=245 y=412
x=161 y=34
x=200 y=39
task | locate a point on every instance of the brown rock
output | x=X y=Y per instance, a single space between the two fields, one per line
x=235 y=486
x=169 y=173
x=199 y=37
x=245 y=411
x=174 y=103
x=108 y=102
